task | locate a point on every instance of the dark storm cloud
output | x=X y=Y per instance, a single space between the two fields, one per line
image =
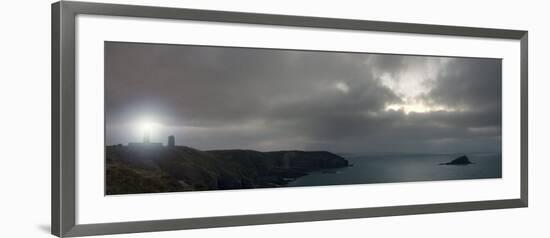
x=219 y=97
x=382 y=63
x=475 y=84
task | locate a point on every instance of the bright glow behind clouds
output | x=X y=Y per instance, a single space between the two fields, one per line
x=147 y=126
x=412 y=83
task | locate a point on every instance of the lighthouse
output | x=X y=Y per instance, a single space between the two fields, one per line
x=147 y=137
x=171 y=141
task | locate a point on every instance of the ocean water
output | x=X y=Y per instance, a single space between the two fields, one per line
x=405 y=168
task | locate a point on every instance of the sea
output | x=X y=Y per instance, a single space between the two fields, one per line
x=368 y=169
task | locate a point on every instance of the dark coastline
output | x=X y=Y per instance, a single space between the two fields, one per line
x=155 y=169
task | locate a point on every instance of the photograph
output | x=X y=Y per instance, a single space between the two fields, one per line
x=169 y=118
x=182 y=118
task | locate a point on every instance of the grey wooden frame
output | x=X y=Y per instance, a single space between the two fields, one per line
x=63 y=118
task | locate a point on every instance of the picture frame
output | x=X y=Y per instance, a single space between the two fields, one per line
x=64 y=120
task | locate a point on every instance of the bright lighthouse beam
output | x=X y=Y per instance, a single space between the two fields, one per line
x=146 y=128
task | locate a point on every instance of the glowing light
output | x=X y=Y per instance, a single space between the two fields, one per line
x=147 y=127
x=416 y=108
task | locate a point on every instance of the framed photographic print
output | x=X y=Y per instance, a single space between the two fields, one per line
x=168 y=118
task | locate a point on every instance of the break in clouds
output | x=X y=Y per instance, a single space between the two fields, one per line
x=261 y=99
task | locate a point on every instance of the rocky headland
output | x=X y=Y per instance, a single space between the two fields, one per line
x=179 y=168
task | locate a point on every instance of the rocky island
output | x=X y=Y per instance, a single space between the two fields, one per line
x=462 y=160
x=138 y=169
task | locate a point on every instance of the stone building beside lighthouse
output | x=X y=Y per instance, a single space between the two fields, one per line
x=148 y=144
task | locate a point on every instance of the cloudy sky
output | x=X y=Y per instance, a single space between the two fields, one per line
x=262 y=99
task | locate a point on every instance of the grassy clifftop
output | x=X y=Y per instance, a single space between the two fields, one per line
x=171 y=169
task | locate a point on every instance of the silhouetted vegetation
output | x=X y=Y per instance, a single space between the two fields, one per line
x=170 y=169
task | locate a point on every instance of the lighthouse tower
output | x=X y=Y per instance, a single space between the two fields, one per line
x=147 y=137
x=171 y=141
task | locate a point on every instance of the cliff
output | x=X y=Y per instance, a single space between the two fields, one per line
x=180 y=168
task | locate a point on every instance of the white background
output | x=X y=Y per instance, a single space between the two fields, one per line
x=25 y=177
